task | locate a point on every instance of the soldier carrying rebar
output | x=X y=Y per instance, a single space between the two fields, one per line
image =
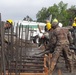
x=60 y=39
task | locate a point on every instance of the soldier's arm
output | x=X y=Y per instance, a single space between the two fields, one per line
x=70 y=37
x=52 y=42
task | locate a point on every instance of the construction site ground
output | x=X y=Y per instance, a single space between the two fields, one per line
x=60 y=68
x=30 y=49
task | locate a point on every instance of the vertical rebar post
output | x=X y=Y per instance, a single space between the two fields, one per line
x=16 y=69
x=2 y=47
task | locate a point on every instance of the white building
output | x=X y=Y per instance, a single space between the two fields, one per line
x=31 y=28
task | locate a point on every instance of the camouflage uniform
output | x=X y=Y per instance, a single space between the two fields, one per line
x=60 y=39
x=73 y=31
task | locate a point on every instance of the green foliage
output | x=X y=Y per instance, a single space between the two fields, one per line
x=72 y=11
x=53 y=10
x=41 y=15
x=58 y=11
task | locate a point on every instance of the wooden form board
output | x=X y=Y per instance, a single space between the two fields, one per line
x=28 y=74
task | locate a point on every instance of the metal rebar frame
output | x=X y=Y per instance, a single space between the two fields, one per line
x=17 y=52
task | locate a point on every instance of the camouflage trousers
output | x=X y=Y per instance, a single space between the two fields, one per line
x=64 y=49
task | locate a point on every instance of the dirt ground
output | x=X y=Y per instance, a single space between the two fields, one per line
x=61 y=65
x=32 y=49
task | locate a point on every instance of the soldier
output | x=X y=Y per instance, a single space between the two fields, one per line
x=8 y=24
x=60 y=39
x=48 y=26
x=74 y=32
x=45 y=36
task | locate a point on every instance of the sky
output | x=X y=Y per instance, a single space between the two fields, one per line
x=18 y=9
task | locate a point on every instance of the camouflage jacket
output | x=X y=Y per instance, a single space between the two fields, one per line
x=60 y=36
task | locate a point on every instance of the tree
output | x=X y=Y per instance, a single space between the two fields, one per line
x=72 y=11
x=27 y=18
x=58 y=11
x=72 y=14
x=63 y=14
x=42 y=14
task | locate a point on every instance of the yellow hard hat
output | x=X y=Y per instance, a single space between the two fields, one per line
x=55 y=20
x=10 y=21
x=74 y=24
x=75 y=18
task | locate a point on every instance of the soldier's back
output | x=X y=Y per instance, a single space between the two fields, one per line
x=61 y=35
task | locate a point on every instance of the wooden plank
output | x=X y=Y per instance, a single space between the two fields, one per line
x=28 y=69
x=28 y=64
x=29 y=74
x=25 y=61
x=33 y=74
x=35 y=58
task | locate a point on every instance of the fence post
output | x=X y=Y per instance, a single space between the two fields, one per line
x=2 y=45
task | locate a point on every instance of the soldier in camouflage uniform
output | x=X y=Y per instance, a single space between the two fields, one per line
x=74 y=32
x=7 y=25
x=60 y=39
